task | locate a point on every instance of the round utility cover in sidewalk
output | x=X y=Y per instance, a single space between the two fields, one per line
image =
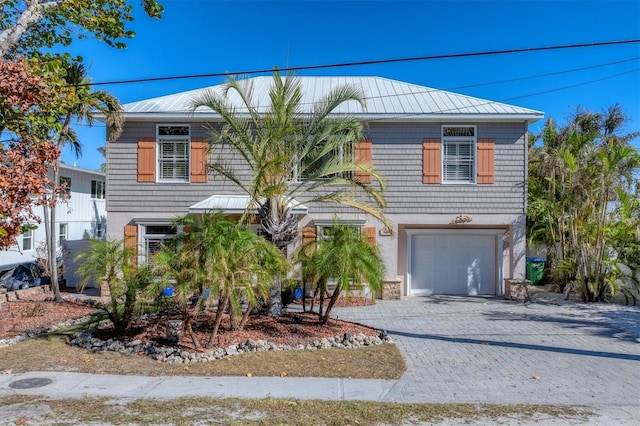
x=35 y=382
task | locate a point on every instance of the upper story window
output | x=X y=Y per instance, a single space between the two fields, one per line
x=27 y=240
x=314 y=165
x=173 y=153
x=97 y=189
x=458 y=154
x=65 y=183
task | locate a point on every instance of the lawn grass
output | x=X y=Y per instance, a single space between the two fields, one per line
x=50 y=352
x=233 y=411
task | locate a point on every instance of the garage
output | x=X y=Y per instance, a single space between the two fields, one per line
x=454 y=262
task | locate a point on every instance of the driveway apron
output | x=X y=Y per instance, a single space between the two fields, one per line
x=475 y=349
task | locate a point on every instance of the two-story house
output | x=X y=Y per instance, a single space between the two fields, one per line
x=79 y=217
x=456 y=170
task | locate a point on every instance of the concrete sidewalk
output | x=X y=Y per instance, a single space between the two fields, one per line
x=78 y=385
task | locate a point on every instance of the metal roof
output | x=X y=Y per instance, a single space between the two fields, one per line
x=386 y=99
x=234 y=204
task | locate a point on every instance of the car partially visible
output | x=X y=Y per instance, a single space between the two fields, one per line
x=18 y=277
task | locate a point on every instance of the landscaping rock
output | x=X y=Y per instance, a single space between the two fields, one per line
x=180 y=356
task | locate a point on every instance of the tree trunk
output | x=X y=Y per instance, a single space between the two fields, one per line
x=51 y=242
x=186 y=319
x=322 y=290
x=332 y=301
x=282 y=227
x=30 y=16
x=222 y=304
x=245 y=315
x=275 y=298
x=313 y=299
x=304 y=295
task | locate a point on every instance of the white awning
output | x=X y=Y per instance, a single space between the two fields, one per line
x=234 y=204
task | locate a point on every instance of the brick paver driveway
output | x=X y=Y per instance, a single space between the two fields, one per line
x=472 y=349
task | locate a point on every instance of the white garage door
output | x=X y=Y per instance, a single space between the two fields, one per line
x=453 y=263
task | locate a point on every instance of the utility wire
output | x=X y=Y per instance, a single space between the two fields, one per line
x=427 y=90
x=373 y=62
x=571 y=86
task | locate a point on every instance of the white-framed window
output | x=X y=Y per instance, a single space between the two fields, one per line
x=27 y=240
x=173 y=152
x=322 y=226
x=99 y=230
x=65 y=183
x=343 y=154
x=63 y=233
x=97 y=189
x=459 y=154
x=154 y=236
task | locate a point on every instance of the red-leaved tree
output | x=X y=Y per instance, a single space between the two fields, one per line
x=26 y=153
x=23 y=177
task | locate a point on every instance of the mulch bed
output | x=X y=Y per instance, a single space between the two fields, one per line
x=40 y=311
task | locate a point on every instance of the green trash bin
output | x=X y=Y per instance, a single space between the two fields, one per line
x=535 y=269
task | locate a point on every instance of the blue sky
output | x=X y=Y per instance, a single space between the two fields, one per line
x=212 y=36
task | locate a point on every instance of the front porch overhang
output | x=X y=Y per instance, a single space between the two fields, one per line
x=236 y=204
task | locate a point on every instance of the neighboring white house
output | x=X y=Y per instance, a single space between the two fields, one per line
x=80 y=217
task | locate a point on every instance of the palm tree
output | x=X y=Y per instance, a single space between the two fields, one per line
x=243 y=266
x=575 y=175
x=346 y=256
x=218 y=255
x=82 y=103
x=112 y=265
x=177 y=265
x=293 y=156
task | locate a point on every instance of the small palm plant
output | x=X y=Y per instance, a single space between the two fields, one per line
x=178 y=267
x=235 y=265
x=347 y=257
x=243 y=265
x=112 y=265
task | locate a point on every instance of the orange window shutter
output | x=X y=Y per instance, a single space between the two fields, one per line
x=309 y=235
x=146 y=160
x=199 y=161
x=131 y=240
x=431 y=161
x=370 y=233
x=363 y=154
x=486 y=161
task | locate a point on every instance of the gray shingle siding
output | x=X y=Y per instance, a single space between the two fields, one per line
x=397 y=154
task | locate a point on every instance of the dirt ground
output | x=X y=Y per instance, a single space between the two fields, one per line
x=37 y=312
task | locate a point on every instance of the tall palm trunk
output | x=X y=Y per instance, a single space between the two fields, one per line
x=282 y=227
x=51 y=235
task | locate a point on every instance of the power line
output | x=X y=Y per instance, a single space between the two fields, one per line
x=549 y=74
x=571 y=86
x=372 y=62
x=566 y=71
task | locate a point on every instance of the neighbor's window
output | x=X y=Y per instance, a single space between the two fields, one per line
x=99 y=230
x=458 y=154
x=97 y=189
x=27 y=240
x=65 y=182
x=173 y=153
x=63 y=233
